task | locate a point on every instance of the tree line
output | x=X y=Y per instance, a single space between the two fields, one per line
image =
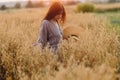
x=30 y=4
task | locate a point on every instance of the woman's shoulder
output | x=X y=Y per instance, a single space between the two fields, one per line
x=45 y=22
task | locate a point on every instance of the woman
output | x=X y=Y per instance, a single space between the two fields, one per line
x=50 y=30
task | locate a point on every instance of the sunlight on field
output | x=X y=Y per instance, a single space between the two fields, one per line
x=94 y=56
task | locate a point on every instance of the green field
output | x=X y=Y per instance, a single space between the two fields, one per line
x=113 y=18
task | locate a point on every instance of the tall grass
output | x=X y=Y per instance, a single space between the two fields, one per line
x=94 y=56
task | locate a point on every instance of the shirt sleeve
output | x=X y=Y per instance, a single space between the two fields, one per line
x=43 y=34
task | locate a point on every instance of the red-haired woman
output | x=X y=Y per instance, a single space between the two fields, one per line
x=50 y=30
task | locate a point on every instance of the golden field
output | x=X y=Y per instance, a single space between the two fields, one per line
x=95 y=56
x=108 y=6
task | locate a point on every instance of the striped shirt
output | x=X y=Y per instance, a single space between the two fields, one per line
x=50 y=32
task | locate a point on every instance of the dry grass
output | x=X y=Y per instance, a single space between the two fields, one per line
x=94 y=56
x=108 y=6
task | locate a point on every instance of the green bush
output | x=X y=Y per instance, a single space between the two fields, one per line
x=85 y=7
x=3 y=7
x=17 y=5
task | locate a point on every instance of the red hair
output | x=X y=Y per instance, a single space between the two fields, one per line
x=55 y=9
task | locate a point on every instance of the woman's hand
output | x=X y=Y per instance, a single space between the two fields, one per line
x=35 y=44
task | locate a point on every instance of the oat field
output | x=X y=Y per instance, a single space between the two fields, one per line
x=95 y=56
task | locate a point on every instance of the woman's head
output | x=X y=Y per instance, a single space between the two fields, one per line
x=56 y=11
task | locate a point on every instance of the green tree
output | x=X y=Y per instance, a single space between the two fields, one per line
x=40 y=4
x=111 y=1
x=29 y=4
x=3 y=7
x=70 y=2
x=17 y=5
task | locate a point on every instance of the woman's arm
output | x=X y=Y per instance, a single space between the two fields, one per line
x=43 y=35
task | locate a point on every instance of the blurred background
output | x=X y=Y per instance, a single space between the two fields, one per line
x=42 y=3
x=108 y=7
